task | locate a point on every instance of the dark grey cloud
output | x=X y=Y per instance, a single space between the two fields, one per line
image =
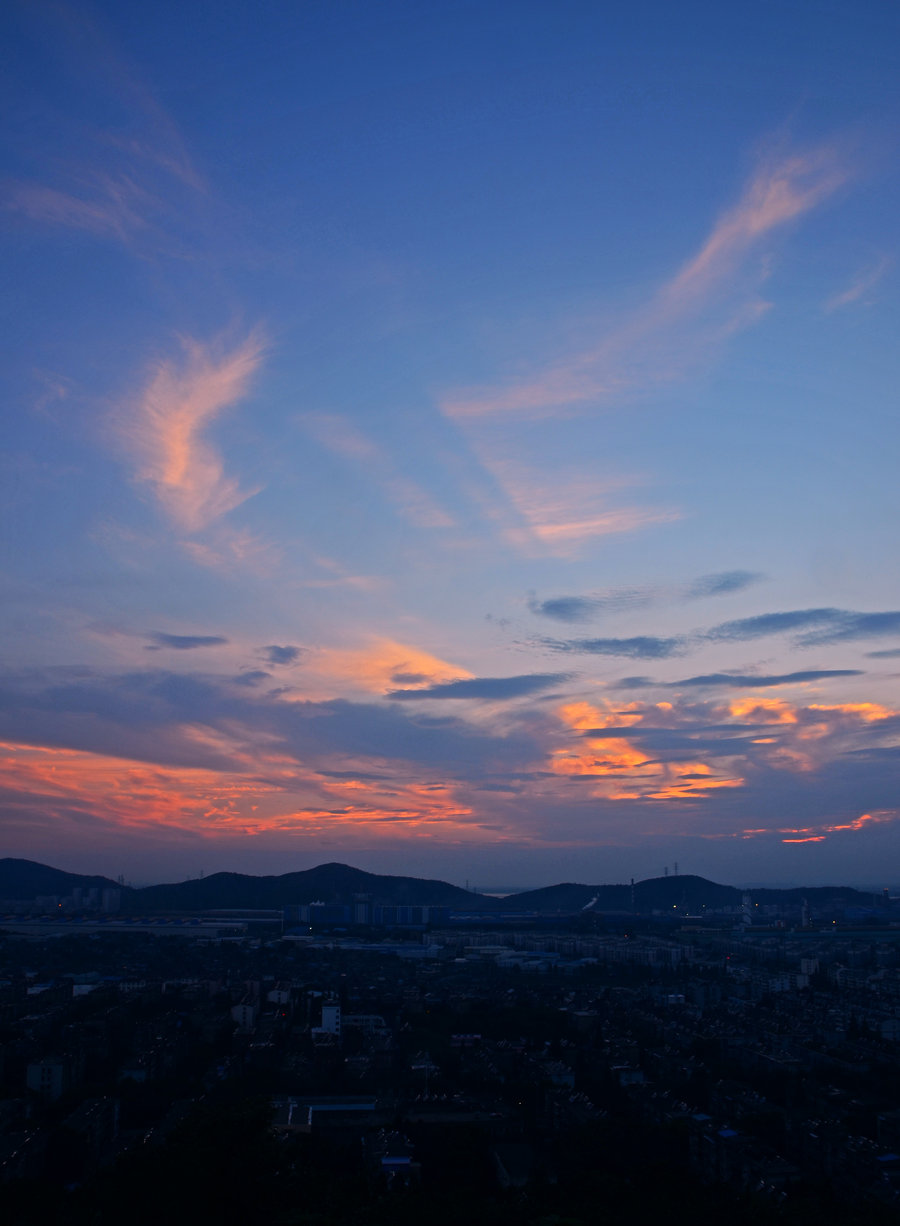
x=722 y=584
x=853 y=626
x=754 y=681
x=585 y=608
x=186 y=642
x=408 y=678
x=370 y=730
x=141 y=716
x=255 y=677
x=282 y=655
x=487 y=687
x=566 y=608
x=642 y=647
x=892 y=653
x=741 y=681
x=774 y=623
x=819 y=626
x=614 y=600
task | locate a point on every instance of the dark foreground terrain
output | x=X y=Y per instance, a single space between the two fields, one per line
x=566 y=1076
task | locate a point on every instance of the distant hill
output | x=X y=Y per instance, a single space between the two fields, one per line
x=23 y=880
x=327 y=883
x=657 y=893
x=685 y=893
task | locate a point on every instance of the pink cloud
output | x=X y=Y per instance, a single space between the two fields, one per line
x=340 y=436
x=864 y=281
x=165 y=431
x=662 y=339
x=110 y=210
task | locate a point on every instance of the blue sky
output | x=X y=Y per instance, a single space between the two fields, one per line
x=451 y=439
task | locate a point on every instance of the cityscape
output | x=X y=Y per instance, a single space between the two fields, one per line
x=352 y=1056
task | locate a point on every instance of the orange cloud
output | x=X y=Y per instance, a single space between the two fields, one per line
x=218 y=804
x=125 y=793
x=868 y=712
x=763 y=710
x=584 y=715
x=819 y=833
x=610 y=759
x=606 y=757
x=165 y=430
x=378 y=666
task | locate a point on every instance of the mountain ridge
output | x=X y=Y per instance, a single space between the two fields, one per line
x=24 y=880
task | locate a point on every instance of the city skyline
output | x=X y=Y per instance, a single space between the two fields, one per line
x=457 y=442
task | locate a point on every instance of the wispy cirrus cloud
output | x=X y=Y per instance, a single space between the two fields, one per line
x=340 y=436
x=640 y=351
x=109 y=207
x=165 y=430
x=859 y=287
x=557 y=512
x=130 y=180
x=513 y=427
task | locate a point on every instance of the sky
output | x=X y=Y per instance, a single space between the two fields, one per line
x=451 y=439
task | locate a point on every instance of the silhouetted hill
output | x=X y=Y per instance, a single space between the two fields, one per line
x=326 y=883
x=685 y=893
x=23 y=880
x=657 y=893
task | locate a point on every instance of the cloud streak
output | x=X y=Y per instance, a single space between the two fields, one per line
x=742 y=681
x=819 y=626
x=186 y=642
x=616 y=600
x=725 y=583
x=342 y=438
x=492 y=688
x=640 y=647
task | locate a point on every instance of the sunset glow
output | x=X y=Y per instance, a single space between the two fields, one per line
x=455 y=441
